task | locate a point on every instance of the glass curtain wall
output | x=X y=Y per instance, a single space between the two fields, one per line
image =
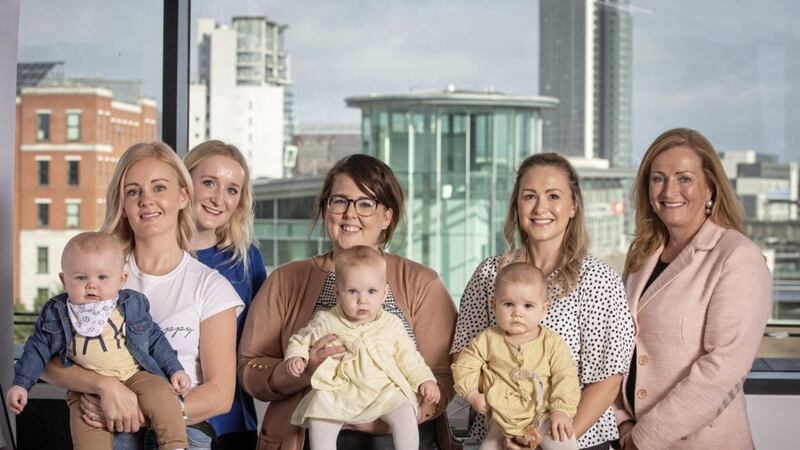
x=458 y=168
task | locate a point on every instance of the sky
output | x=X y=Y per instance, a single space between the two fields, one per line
x=728 y=69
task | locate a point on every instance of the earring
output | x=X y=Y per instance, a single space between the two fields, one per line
x=709 y=204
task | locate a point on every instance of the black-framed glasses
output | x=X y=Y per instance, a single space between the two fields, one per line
x=365 y=207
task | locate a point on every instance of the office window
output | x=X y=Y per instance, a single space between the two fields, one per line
x=41 y=260
x=73 y=215
x=42 y=214
x=43 y=126
x=73 y=173
x=43 y=172
x=73 y=126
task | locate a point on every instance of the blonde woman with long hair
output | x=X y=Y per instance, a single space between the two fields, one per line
x=700 y=293
x=223 y=205
x=149 y=210
x=545 y=227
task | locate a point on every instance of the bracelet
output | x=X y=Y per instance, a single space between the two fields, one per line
x=185 y=416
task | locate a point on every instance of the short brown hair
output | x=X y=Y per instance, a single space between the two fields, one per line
x=93 y=242
x=360 y=255
x=521 y=273
x=374 y=178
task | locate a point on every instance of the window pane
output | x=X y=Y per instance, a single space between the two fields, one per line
x=89 y=77
x=745 y=96
x=73 y=126
x=73 y=215
x=43 y=172
x=41 y=260
x=73 y=173
x=43 y=214
x=43 y=126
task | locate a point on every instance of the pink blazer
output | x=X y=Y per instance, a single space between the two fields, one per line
x=698 y=327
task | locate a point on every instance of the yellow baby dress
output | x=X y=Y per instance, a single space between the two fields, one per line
x=380 y=370
x=509 y=376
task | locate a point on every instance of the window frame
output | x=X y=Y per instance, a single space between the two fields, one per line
x=43 y=133
x=73 y=127
x=43 y=221
x=40 y=164
x=77 y=165
x=72 y=214
x=42 y=260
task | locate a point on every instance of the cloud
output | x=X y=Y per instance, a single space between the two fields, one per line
x=696 y=63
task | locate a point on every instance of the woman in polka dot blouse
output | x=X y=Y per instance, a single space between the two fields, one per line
x=545 y=226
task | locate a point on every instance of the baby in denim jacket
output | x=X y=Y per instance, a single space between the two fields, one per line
x=109 y=331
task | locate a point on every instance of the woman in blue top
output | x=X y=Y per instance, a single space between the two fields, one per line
x=223 y=205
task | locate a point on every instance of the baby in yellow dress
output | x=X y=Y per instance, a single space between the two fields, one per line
x=519 y=373
x=381 y=371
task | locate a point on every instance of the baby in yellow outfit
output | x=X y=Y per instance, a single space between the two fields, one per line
x=518 y=372
x=381 y=372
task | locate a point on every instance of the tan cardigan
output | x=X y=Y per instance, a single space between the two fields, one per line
x=284 y=304
x=698 y=327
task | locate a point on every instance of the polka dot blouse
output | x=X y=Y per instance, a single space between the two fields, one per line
x=593 y=319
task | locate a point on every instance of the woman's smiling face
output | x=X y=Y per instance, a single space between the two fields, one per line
x=153 y=197
x=349 y=229
x=544 y=203
x=679 y=189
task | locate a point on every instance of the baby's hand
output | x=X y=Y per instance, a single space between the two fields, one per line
x=180 y=382
x=296 y=366
x=430 y=391
x=478 y=402
x=560 y=426
x=17 y=398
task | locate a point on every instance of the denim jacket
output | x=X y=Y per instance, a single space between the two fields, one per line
x=53 y=334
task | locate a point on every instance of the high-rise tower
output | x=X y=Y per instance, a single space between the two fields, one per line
x=585 y=60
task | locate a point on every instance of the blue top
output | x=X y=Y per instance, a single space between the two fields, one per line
x=242 y=416
x=53 y=334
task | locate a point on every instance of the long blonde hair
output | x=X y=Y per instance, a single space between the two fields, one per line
x=576 y=239
x=650 y=232
x=237 y=234
x=116 y=224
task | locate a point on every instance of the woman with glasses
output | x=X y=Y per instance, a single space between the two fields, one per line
x=361 y=203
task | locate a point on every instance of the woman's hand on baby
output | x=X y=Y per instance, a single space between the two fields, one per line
x=296 y=366
x=180 y=382
x=93 y=414
x=430 y=392
x=560 y=426
x=321 y=351
x=478 y=402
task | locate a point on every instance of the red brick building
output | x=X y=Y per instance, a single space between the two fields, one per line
x=68 y=142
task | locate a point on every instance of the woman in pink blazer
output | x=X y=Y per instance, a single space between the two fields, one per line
x=700 y=294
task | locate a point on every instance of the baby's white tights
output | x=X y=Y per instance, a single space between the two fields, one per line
x=402 y=421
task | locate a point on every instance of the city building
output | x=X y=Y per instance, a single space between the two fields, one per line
x=456 y=155
x=768 y=188
x=243 y=90
x=585 y=60
x=69 y=139
x=319 y=146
